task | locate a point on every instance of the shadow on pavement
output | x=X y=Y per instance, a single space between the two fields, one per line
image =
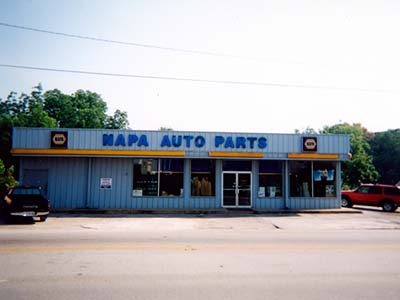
x=373 y=208
x=6 y=220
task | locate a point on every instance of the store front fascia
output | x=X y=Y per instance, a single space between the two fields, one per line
x=124 y=169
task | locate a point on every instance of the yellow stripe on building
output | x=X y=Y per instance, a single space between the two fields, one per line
x=313 y=156
x=236 y=154
x=154 y=153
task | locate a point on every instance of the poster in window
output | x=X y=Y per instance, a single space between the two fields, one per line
x=330 y=191
x=261 y=191
x=137 y=193
x=271 y=191
x=324 y=175
x=105 y=183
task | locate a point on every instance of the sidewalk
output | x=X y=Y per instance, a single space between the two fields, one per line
x=219 y=211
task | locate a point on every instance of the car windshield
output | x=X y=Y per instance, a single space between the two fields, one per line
x=26 y=191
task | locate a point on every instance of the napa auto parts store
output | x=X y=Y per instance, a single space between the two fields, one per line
x=140 y=170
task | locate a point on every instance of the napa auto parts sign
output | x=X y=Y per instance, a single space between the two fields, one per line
x=186 y=141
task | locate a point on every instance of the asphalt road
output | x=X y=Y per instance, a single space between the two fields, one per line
x=307 y=256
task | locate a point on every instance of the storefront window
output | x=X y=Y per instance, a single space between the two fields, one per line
x=320 y=183
x=236 y=165
x=203 y=177
x=324 y=176
x=158 y=177
x=300 y=178
x=270 y=179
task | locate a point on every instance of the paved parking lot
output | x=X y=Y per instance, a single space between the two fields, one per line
x=363 y=218
x=241 y=256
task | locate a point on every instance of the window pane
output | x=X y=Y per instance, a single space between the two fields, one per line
x=145 y=177
x=270 y=178
x=153 y=177
x=171 y=177
x=203 y=177
x=26 y=191
x=300 y=178
x=375 y=190
x=324 y=176
x=236 y=165
x=392 y=191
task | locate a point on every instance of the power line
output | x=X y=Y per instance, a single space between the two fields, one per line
x=96 y=39
x=230 y=82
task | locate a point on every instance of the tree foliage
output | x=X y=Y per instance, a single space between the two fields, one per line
x=118 y=120
x=21 y=111
x=386 y=153
x=82 y=109
x=360 y=168
x=6 y=178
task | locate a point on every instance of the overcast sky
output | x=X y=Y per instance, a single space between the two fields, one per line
x=352 y=47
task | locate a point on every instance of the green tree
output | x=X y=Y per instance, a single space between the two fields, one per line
x=83 y=109
x=60 y=107
x=360 y=168
x=23 y=111
x=6 y=178
x=386 y=152
x=118 y=121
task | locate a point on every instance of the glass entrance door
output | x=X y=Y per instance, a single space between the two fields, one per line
x=236 y=189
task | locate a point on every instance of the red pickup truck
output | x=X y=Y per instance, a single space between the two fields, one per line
x=383 y=195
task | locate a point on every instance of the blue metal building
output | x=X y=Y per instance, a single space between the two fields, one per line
x=129 y=169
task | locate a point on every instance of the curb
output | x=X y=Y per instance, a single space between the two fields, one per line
x=221 y=211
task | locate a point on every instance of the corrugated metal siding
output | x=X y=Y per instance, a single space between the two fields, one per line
x=120 y=170
x=66 y=182
x=68 y=187
x=313 y=203
x=268 y=203
x=278 y=144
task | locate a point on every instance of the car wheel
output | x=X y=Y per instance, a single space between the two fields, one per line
x=346 y=202
x=388 y=206
x=42 y=219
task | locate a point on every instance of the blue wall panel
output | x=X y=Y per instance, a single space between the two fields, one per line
x=66 y=179
x=120 y=171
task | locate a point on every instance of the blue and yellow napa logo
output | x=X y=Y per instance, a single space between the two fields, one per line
x=310 y=144
x=59 y=139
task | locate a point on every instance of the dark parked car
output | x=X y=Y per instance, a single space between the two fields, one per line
x=383 y=195
x=26 y=201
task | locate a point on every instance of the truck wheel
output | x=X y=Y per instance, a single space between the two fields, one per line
x=388 y=206
x=346 y=202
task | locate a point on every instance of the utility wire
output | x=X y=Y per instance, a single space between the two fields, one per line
x=230 y=82
x=217 y=54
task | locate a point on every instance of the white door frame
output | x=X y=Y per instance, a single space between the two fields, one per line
x=237 y=189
